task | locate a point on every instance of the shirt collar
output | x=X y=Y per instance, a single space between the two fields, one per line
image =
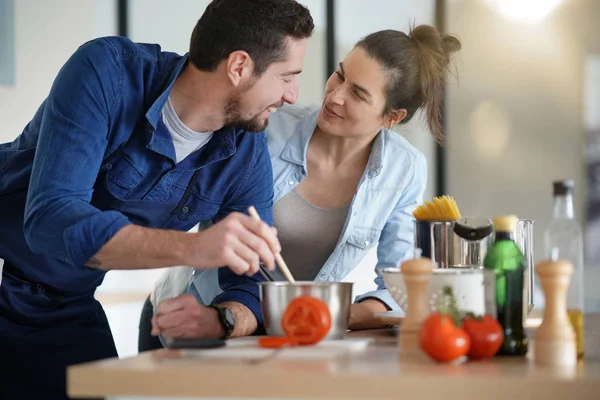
x=221 y=145
x=295 y=148
x=153 y=114
x=297 y=145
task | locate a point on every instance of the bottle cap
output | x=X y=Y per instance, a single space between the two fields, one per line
x=563 y=187
x=418 y=252
x=505 y=223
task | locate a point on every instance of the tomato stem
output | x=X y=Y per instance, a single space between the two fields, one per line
x=448 y=306
x=472 y=315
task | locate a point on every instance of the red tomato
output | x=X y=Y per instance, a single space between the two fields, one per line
x=486 y=336
x=306 y=320
x=442 y=340
x=274 y=342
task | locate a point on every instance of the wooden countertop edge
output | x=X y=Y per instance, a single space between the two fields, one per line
x=249 y=382
x=258 y=384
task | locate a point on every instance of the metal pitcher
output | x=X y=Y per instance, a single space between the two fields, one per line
x=454 y=243
x=524 y=238
x=473 y=237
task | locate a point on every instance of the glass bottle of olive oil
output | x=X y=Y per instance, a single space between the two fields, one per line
x=507 y=262
x=563 y=239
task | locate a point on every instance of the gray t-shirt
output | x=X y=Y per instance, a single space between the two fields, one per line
x=308 y=234
x=185 y=140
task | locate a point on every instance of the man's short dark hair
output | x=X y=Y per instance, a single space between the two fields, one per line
x=258 y=27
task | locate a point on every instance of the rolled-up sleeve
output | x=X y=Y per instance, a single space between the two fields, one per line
x=60 y=222
x=396 y=243
x=258 y=192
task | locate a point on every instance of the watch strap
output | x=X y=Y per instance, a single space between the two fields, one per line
x=227 y=326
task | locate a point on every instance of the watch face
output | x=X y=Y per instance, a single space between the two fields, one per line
x=229 y=317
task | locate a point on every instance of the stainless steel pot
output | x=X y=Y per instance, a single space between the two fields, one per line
x=275 y=297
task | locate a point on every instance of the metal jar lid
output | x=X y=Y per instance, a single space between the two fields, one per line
x=473 y=228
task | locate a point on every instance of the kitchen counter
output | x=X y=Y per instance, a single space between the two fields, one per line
x=375 y=372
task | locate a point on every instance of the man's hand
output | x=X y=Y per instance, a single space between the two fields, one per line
x=184 y=317
x=237 y=241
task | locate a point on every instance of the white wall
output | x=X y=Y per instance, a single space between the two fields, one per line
x=46 y=34
x=515 y=122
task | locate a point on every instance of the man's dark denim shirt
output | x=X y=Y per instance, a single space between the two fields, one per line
x=96 y=157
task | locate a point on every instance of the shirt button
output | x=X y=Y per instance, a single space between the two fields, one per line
x=185 y=209
x=290 y=183
x=367 y=242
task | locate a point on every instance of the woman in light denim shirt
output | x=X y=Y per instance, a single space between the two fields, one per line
x=344 y=182
x=342 y=157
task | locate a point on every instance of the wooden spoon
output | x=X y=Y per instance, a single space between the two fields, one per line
x=282 y=265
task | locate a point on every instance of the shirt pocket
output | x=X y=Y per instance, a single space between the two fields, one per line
x=123 y=176
x=199 y=209
x=357 y=246
x=364 y=238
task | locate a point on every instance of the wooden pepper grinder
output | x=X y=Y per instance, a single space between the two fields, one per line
x=416 y=274
x=554 y=343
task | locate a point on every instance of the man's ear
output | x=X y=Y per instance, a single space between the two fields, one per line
x=239 y=67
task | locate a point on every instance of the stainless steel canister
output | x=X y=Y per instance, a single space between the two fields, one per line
x=435 y=239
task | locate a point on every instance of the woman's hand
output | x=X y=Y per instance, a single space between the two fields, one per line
x=361 y=314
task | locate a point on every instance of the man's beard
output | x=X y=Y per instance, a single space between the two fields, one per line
x=234 y=118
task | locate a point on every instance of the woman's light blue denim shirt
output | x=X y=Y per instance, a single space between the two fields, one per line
x=380 y=214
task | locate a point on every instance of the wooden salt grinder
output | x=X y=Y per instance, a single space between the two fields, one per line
x=416 y=274
x=554 y=343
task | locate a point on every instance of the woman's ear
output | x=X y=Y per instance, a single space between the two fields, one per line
x=393 y=118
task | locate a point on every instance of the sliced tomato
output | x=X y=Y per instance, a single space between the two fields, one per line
x=275 y=342
x=307 y=320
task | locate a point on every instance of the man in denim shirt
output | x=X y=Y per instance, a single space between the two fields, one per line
x=132 y=148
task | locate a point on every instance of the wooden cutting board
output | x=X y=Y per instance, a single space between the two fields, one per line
x=390 y=317
x=247 y=348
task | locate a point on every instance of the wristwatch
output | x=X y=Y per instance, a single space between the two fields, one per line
x=226 y=319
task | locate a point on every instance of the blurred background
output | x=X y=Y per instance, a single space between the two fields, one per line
x=524 y=111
